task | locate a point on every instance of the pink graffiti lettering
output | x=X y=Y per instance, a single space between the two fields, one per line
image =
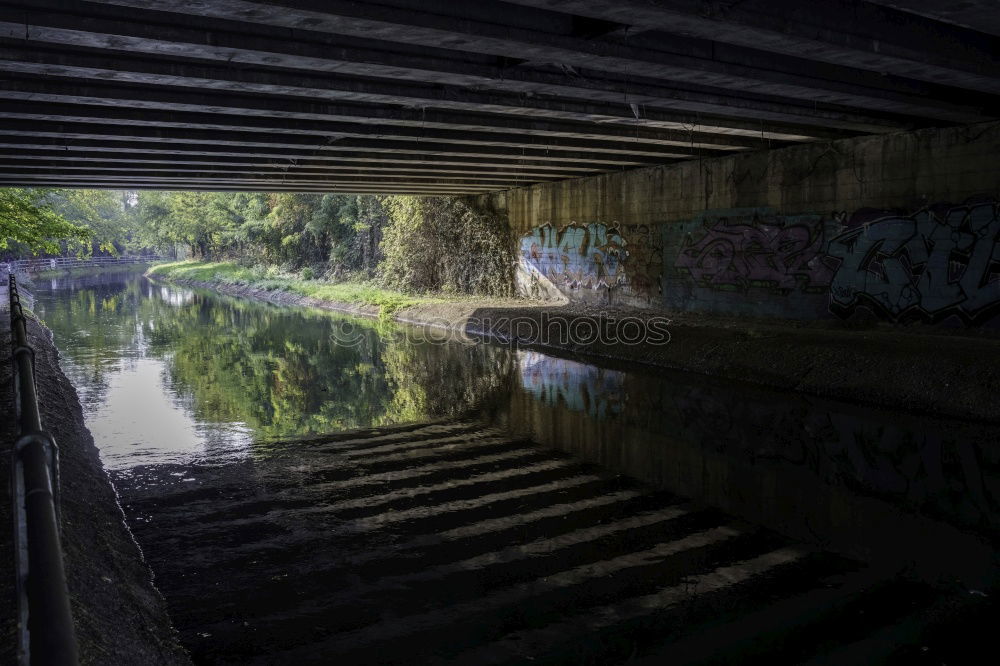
x=741 y=256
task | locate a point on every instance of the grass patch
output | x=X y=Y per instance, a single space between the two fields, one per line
x=270 y=278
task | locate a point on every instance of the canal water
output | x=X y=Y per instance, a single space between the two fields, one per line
x=309 y=487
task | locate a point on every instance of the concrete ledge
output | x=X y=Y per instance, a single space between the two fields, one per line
x=922 y=372
x=120 y=617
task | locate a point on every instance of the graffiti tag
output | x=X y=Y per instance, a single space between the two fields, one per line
x=739 y=256
x=577 y=256
x=938 y=262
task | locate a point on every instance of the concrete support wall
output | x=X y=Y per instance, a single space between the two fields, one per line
x=903 y=226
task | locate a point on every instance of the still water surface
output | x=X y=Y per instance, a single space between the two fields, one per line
x=168 y=374
x=200 y=403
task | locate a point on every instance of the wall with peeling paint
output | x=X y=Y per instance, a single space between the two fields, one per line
x=901 y=226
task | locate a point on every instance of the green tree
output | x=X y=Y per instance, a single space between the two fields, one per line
x=152 y=221
x=105 y=212
x=409 y=243
x=202 y=220
x=27 y=219
x=205 y=222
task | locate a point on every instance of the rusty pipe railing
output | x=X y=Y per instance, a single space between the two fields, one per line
x=45 y=623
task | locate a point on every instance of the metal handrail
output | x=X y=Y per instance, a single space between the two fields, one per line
x=45 y=622
x=26 y=265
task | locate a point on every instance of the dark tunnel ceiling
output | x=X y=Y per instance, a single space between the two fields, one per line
x=414 y=96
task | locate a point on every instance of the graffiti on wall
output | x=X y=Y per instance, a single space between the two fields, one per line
x=577 y=258
x=757 y=250
x=594 y=262
x=940 y=261
x=643 y=265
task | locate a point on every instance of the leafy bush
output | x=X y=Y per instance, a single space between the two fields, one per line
x=446 y=244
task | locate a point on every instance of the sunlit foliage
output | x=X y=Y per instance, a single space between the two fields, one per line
x=413 y=244
x=445 y=244
x=29 y=224
x=419 y=244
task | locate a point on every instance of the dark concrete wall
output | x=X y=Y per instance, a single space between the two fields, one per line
x=904 y=226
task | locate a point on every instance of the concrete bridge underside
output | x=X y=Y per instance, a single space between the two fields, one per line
x=411 y=96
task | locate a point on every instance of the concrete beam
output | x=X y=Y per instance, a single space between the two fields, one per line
x=254 y=173
x=395 y=94
x=235 y=185
x=72 y=130
x=852 y=33
x=676 y=144
x=688 y=61
x=679 y=75
x=323 y=185
x=748 y=112
x=58 y=95
x=138 y=147
x=977 y=15
x=67 y=159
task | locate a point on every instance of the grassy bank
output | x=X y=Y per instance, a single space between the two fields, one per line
x=270 y=279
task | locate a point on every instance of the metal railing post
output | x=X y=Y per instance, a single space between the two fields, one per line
x=45 y=627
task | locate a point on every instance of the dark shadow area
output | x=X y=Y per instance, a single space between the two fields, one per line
x=475 y=503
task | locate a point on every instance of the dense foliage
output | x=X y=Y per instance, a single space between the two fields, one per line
x=29 y=223
x=405 y=243
x=329 y=233
x=444 y=244
x=67 y=222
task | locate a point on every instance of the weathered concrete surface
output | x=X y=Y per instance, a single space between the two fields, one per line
x=901 y=226
x=120 y=617
x=913 y=372
x=902 y=169
x=924 y=370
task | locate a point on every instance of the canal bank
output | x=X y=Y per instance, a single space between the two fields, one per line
x=119 y=616
x=922 y=369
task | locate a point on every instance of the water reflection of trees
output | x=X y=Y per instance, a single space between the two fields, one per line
x=96 y=327
x=280 y=371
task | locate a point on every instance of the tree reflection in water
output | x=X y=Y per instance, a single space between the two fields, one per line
x=234 y=365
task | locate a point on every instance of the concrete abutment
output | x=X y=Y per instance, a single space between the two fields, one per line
x=897 y=227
